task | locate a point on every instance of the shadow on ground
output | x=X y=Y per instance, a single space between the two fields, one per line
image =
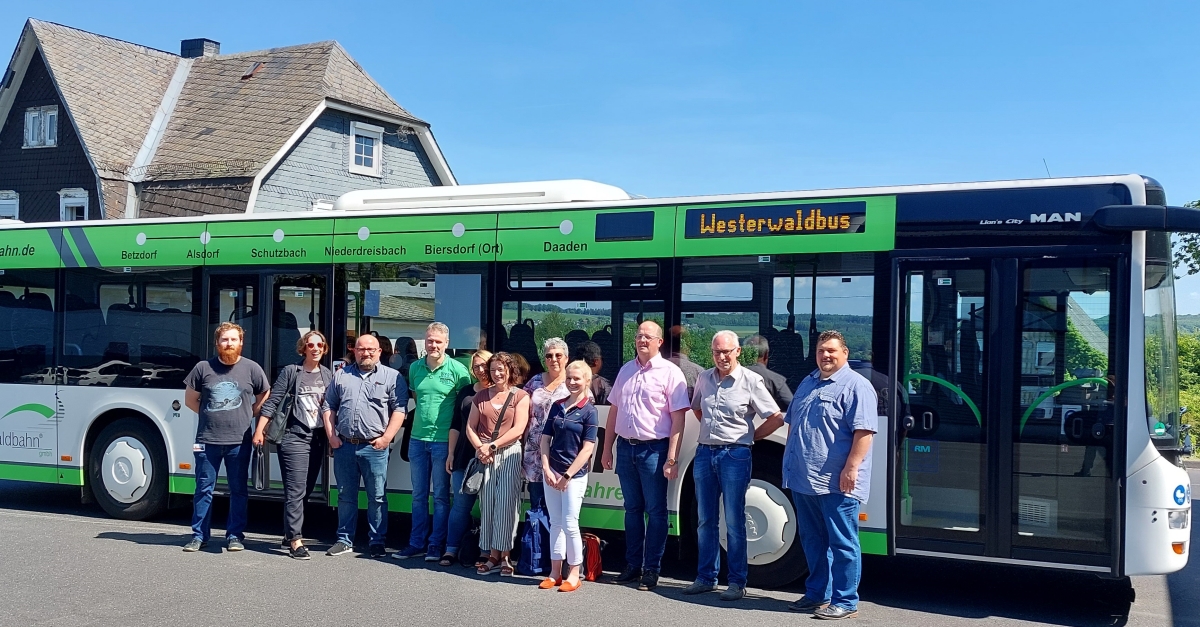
x=952 y=589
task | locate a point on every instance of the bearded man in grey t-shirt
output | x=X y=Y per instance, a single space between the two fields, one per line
x=226 y=392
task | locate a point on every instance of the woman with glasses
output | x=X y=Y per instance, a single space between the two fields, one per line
x=498 y=418
x=298 y=391
x=543 y=389
x=460 y=454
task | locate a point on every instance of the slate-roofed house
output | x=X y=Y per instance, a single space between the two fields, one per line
x=92 y=128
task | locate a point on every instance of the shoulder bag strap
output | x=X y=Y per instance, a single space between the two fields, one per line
x=500 y=416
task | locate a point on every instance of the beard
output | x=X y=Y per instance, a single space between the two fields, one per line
x=229 y=355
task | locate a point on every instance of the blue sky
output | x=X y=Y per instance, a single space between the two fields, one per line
x=674 y=98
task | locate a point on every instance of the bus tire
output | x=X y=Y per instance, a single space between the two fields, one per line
x=127 y=470
x=773 y=548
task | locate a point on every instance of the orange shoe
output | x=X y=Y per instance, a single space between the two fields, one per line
x=567 y=586
x=548 y=583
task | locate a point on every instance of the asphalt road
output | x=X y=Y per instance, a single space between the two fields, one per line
x=64 y=563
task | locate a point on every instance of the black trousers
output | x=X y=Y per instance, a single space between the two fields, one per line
x=300 y=456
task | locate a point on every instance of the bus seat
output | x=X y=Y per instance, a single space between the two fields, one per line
x=521 y=339
x=787 y=356
x=610 y=353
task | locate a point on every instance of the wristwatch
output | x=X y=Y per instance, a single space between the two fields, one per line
x=671 y=462
x=492 y=447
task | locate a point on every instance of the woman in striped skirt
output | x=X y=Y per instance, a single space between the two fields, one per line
x=498 y=419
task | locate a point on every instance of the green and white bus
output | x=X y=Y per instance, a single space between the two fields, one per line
x=1021 y=336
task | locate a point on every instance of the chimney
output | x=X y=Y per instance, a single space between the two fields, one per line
x=192 y=48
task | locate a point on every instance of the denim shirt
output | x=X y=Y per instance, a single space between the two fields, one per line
x=365 y=401
x=822 y=419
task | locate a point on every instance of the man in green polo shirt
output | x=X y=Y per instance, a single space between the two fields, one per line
x=433 y=382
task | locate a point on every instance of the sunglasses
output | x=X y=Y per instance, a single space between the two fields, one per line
x=316 y=345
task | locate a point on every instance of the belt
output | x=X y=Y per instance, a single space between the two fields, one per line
x=356 y=441
x=733 y=445
x=637 y=442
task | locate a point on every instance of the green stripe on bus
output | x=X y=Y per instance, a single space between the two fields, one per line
x=41 y=473
x=70 y=476
x=873 y=542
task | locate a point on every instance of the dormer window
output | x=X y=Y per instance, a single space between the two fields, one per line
x=41 y=127
x=366 y=148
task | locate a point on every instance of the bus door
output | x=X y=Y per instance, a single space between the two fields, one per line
x=297 y=302
x=1007 y=409
x=274 y=310
x=941 y=478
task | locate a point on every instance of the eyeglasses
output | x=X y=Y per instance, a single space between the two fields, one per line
x=367 y=350
x=723 y=353
x=643 y=336
x=555 y=356
x=316 y=345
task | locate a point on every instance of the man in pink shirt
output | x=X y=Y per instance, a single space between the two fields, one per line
x=648 y=399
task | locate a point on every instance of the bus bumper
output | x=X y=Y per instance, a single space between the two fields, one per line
x=1158 y=504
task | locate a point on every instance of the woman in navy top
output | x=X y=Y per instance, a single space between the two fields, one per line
x=567 y=443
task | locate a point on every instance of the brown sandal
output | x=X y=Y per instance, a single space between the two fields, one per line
x=489 y=567
x=506 y=569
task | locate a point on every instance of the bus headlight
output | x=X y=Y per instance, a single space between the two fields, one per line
x=1178 y=519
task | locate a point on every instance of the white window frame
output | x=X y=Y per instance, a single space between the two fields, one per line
x=374 y=132
x=10 y=205
x=68 y=200
x=41 y=127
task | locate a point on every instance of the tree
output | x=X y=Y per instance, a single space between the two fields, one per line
x=1187 y=247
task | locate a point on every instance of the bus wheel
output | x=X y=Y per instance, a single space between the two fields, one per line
x=773 y=550
x=127 y=469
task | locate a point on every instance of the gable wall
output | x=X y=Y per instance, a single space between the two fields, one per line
x=37 y=174
x=317 y=167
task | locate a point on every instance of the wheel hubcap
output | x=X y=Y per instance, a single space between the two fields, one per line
x=770 y=523
x=126 y=470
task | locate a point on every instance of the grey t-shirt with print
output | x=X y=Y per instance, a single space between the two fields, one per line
x=226 y=399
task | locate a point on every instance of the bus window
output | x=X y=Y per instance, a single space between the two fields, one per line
x=396 y=302
x=787 y=300
x=130 y=329
x=27 y=300
x=1063 y=430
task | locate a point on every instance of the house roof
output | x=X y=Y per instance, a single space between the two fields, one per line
x=226 y=125
x=111 y=88
x=219 y=124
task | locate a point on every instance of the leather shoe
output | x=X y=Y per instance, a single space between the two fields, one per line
x=649 y=581
x=805 y=604
x=629 y=575
x=834 y=612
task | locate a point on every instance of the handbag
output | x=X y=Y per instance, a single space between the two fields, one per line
x=473 y=475
x=261 y=468
x=278 y=425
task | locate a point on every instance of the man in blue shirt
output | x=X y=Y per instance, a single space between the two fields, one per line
x=827 y=466
x=363 y=411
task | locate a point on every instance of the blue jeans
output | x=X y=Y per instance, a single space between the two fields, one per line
x=722 y=472
x=352 y=462
x=460 y=514
x=828 y=528
x=237 y=471
x=640 y=470
x=427 y=460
